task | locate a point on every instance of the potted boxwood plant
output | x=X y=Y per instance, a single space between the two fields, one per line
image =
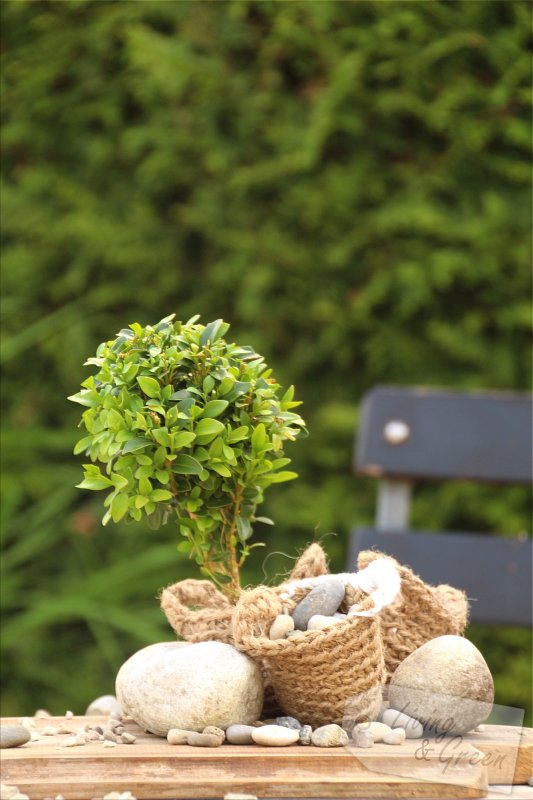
x=187 y=426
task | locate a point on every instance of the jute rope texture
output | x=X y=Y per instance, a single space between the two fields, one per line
x=333 y=675
x=421 y=612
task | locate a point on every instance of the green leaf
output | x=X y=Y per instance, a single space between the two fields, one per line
x=95 y=483
x=114 y=420
x=214 y=408
x=186 y=465
x=83 y=445
x=221 y=469
x=213 y=331
x=140 y=501
x=119 y=507
x=162 y=475
x=265 y=520
x=185 y=547
x=238 y=434
x=145 y=487
x=183 y=439
x=280 y=477
x=150 y=386
x=137 y=443
x=259 y=438
x=86 y=397
x=207 y=429
x=160 y=495
x=244 y=528
x=162 y=436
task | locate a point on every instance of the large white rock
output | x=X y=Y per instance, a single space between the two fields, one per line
x=445 y=684
x=166 y=686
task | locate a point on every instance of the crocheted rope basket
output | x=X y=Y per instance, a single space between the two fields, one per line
x=199 y=612
x=420 y=612
x=332 y=675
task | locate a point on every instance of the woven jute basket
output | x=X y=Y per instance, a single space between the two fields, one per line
x=199 y=612
x=420 y=612
x=332 y=675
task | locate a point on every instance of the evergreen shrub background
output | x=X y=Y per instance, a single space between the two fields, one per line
x=347 y=184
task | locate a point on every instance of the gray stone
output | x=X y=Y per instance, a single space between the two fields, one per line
x=329 y=736
x=396 y=719
x=239 y=734
x=395 y=736
x=305 y=734
x=204 y=740
x=103 y=706
x=13 y=735
x=275 y=736
x=281 y=626
x=445 y=684
x=530 y=781
x=166 y=686
x=214 y=731
x=323 y=599
x=288 y=722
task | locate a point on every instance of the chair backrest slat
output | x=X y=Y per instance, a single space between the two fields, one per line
x=428 y=434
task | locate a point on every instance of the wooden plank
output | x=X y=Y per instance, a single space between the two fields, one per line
x=153 y=769
x=509 y=753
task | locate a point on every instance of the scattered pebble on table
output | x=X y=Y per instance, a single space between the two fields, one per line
x=275 y=736
x=329 y=736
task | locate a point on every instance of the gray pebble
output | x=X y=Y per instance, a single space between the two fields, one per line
x=128 y=738
x=203 y=740
x=239 y=734
x=305 y=734
x=530 y=781
x=288 y=722
x=329 y=736
x=13 y=735
x=323 y=599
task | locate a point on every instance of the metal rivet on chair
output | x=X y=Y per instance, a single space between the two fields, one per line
x=396 y=431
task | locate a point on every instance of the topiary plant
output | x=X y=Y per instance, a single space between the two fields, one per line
x=189 y=426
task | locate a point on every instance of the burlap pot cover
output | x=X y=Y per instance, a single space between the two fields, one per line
x=420 y=612
x=334 y=675
x=199 y=612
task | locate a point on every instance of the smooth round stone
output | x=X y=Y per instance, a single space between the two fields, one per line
x=240 y=734
x=362 y=738
x=329 y=736
x=288 y=722
x=319 y=622
x=13 y=735
x=214 y=731
x=324 y=599
x=204 y=740
x=275 y=736
x=395 y=719
x=306 y=732
x=178 y=736
x=103 y=706
x=166 y=686
x=445 y=684
x=281 y=626
x=377 y=729
x=395 y=736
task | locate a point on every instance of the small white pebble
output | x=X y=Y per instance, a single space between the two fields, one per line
x=7 y=792
x=319 y=622
x=108 y=743
x=396 y=736
x=530 y=781
x=41 y=713
x=49 y=730
x=20 y=796
x=59 y=797
x=34 y=736
x=62 y=728
x=377 y=729
x=73 y=741
x=69 y=714
x=362 y=738
x=281 y=626
x=27 y=722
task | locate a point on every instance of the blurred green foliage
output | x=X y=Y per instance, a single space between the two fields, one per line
x=347 y=183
